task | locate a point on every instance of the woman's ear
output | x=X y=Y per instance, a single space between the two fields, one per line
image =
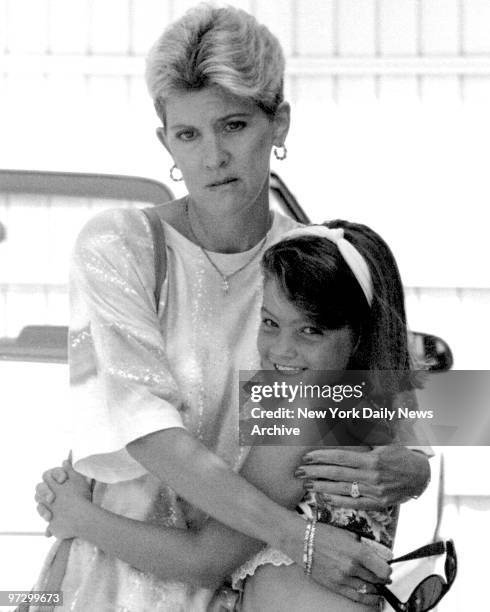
x=282 y=119
x=162 y=137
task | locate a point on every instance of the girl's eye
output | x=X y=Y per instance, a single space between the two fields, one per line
x=312 y=331
x=269 y=323
x=186 y=135
x=235 y=126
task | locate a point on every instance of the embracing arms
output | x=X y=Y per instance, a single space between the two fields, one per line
x=200 y=557
x=211 y=554
x=207 y=556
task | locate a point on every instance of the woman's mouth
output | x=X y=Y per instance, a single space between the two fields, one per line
x=222 y=183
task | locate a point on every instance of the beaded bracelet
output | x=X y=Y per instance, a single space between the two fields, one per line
x=308 y=548
x=311 y=542
x=306 y=541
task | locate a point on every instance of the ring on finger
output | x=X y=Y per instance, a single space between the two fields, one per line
x=362 y=589
x=354 y=490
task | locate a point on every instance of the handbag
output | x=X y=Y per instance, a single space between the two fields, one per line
x=159 y=250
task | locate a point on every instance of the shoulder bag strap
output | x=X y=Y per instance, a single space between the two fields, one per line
x=160 y=253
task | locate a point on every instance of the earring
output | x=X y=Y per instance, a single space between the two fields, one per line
x=280 y=155
x=173 y=177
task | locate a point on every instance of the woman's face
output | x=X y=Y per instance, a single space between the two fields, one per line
x=222 y=145
x=289 y=343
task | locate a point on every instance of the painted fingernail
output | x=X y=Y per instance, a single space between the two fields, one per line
x=308 y=485
x=299 y=473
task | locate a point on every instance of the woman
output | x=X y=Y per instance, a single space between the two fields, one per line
x=154 y=393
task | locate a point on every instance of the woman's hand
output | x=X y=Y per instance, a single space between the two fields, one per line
x=348 y=566
x=386 y=475
x=61 y=497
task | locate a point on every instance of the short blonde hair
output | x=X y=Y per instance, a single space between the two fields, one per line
x=224 y=47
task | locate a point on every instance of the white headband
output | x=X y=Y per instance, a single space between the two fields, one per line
x=351 y=255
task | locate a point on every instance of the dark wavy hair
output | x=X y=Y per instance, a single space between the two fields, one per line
x=315 y=278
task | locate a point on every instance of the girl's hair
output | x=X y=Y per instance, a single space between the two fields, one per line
x=224 y=47
x=315 y=278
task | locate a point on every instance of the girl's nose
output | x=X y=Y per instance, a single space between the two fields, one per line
x=282 y=349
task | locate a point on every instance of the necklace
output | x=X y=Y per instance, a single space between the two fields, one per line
x=225 y=278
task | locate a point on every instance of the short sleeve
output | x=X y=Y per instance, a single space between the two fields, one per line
x=121 y=386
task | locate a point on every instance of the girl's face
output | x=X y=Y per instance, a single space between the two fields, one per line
x=222 y=145
x=289 y=343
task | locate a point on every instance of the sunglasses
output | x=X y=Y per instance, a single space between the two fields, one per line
x=428 y=593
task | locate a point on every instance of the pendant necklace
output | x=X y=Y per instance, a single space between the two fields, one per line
x=225 y=278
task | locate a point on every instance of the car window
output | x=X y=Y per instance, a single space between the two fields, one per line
x=39 y=232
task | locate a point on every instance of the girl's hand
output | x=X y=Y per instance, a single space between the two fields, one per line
x=44 y=495
x=386 y=475
x=348 y=566
x=61 y=498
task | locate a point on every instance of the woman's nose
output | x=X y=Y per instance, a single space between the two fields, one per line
x=215 y=154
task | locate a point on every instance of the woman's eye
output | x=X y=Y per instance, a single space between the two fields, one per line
x=186 y=135
x=234 y=126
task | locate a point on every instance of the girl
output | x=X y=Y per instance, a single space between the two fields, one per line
x=333 y=300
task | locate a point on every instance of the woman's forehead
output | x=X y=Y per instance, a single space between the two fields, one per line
x=205 y=105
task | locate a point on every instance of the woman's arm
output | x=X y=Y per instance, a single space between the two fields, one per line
x=207 y=482
x=387 y=475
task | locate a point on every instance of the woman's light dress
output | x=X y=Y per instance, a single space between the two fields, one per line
x=134 y=373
